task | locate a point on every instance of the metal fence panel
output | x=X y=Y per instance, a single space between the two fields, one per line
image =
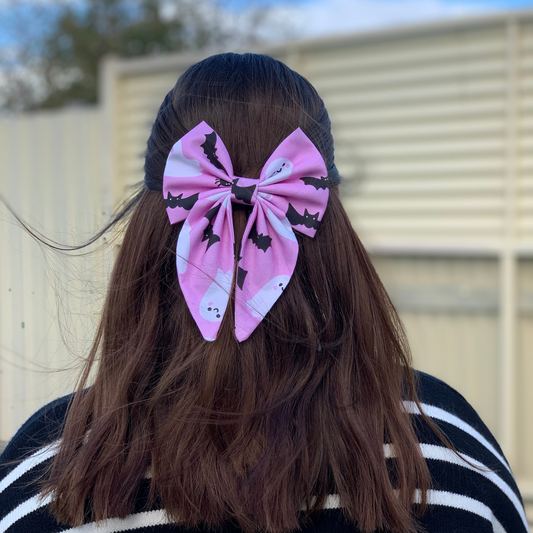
x=52 y=173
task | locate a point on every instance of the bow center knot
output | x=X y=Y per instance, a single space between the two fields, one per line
x=243 y=190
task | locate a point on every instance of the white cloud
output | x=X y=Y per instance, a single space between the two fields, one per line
x=322 y=17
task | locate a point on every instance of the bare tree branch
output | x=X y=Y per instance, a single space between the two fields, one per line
x=50 y=51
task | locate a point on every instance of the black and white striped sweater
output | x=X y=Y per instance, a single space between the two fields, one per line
x=463 y=498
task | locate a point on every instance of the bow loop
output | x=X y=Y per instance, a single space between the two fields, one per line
x=199 y=187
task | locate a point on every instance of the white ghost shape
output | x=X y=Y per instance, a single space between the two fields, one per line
x=215 y=300
x=278 y=170
x=261 y=303
x=282 y=227
x=180 y=166
x=183 y=248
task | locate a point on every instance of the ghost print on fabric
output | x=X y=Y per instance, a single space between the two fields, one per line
x=199 y=187
x=263 y=300
x=280 y=169
x=214 y=302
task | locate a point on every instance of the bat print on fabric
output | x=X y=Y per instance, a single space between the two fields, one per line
x=209 y=236
x=288 y=198
x=177 y=201
x=211 y=214
x=261 y=303
x=210 y=150
x=221 y=182
x=307 y=219
x=215 y=300
x=263 y=242
x=241 y=275
x=322 y=183
x=244 y=194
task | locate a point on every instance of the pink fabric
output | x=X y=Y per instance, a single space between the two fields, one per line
x=199 y=187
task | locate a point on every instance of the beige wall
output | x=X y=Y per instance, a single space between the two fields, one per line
x=53 y=173
x=449 y=307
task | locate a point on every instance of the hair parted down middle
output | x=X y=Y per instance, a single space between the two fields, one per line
x=249 y=432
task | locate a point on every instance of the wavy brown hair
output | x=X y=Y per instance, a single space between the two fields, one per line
x=250 y=432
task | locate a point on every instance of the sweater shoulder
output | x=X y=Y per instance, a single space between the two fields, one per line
x=42 y=428
x=472 y=477
x=434 y=389
x=437 y=397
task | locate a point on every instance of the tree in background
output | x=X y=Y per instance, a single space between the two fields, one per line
x=50 y=52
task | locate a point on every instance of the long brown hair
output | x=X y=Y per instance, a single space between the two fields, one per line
x=250 y=432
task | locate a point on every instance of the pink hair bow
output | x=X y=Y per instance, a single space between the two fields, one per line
x=199 y=187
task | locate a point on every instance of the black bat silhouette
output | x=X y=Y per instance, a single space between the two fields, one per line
x=178 y=201
x=322 y=183
x=241 y=275
x=212 y=212
x=209 y=236
x=241 y=193
x=307 y=219
x=263 y=242
x=210 y=150
x=220 y=182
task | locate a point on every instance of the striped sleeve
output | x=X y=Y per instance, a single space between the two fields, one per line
x=473 y=489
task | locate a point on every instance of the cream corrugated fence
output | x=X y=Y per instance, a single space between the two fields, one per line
x=52 y=173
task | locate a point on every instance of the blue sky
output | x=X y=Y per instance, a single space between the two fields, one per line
x=502 y=4
x=507 y=3
x=316 y=18
x=479 y=4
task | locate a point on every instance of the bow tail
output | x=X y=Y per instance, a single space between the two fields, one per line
x=268 y=257
x=205 y=261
